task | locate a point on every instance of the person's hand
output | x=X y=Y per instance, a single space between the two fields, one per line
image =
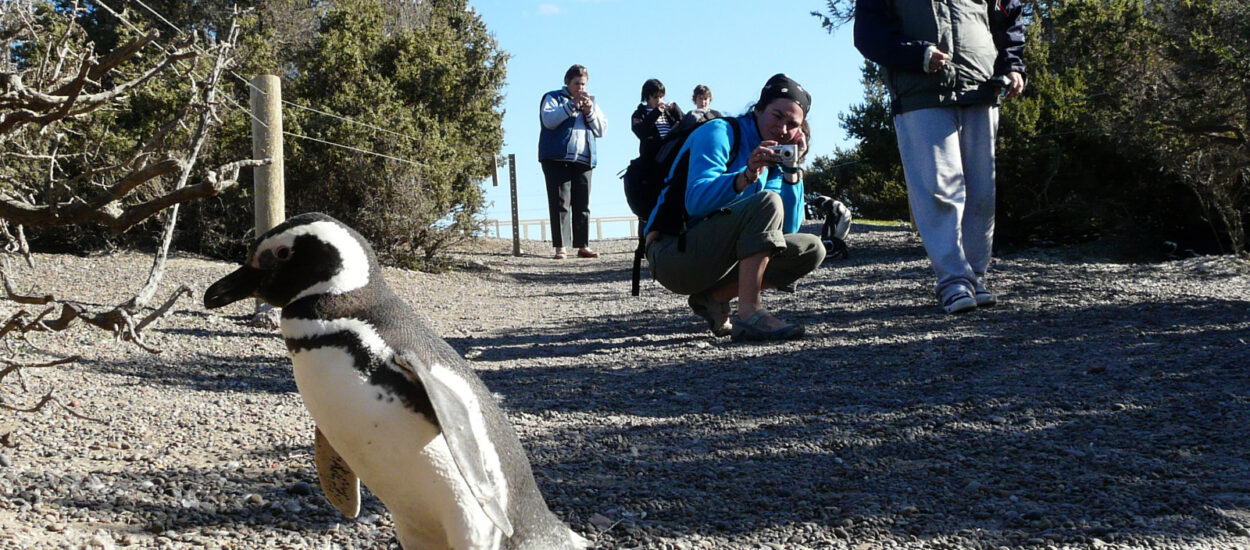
x=801 y=140
x=587 y=106
x=937 y=60
x=1017 y=84
x=762 y=157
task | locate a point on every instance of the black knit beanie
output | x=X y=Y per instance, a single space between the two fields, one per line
x=781 y=85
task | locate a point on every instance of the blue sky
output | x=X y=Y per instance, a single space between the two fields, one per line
x=733 y=46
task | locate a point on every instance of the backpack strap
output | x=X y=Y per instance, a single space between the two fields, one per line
x=638 y=254
x=733 y=157
x=641 y=251
x=733 y=137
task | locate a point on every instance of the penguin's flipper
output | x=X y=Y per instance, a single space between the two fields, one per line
x=456 y=409
x=338 y=481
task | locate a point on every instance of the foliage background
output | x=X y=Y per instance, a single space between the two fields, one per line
x=421 y=79
x=1134 y=124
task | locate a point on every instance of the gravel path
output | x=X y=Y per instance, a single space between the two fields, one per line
x=1101 y=405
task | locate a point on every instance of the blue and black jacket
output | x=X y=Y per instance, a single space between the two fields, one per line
x=710 y=175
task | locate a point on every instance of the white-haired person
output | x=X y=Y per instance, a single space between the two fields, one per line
x=947 y=71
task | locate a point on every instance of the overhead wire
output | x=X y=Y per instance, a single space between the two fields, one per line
x=249 y=84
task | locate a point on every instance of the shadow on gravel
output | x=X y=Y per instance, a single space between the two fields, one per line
x=1043 y=421
x=256 y=491
x=261 y=372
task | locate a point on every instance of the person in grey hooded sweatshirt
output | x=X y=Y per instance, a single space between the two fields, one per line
x=948 y=65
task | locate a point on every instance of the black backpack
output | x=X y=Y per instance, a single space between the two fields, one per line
x=644 y=180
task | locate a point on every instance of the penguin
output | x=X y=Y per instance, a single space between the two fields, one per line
x=394 y=405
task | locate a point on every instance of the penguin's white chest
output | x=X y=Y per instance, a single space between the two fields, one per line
x=398 y=453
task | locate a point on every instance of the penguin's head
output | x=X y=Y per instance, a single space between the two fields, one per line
x=307 y=255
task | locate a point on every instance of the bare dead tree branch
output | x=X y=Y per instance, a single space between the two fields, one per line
x=14 y=366
x=58 y=171
x=44 y=401
x=206 y=122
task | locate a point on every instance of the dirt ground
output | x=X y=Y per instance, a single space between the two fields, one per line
x=1102 y=404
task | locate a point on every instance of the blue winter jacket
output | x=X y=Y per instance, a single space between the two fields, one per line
x=567 y=134
x=710 y=183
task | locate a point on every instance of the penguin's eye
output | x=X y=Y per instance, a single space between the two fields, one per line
x=282 y=253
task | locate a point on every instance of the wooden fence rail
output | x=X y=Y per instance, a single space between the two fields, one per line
x=494 y=227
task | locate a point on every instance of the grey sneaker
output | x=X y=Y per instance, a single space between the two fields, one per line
x=959 y=303
x=716 y=314
x=986 y=298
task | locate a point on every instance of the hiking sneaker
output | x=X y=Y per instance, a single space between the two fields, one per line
x=716 y=314
x=986 y=298
x=959 y=303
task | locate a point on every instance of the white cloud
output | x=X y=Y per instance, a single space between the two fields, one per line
x=549 y=9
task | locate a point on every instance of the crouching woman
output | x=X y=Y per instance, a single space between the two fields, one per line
x=726 y=225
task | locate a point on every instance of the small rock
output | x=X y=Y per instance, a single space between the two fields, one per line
x=601 y=522
x=5 y=462
x=300 y=488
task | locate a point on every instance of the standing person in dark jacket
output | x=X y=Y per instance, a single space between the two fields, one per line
x=947 y=65
x=653 y=119
x=566 y=149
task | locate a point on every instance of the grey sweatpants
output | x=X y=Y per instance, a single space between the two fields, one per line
x=948 y=159
x=715 y=245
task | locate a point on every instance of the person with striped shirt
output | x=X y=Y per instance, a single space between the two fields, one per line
x=653 y=119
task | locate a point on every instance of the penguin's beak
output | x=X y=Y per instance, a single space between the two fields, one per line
x=243 y=283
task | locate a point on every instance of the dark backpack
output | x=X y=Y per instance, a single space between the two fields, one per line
x=645 y=180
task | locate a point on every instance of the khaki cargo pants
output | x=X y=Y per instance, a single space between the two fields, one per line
x=716 y=244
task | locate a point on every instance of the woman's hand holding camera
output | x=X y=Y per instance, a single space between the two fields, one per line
x=760 y=158
x=583 y=103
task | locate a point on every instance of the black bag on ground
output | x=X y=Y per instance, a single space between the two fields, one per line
x=645 y=179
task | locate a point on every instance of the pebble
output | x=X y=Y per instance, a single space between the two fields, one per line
x=301 y=488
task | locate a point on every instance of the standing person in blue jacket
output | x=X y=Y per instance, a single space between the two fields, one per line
x=726 y=225
x=947 y=64
x=566 y=149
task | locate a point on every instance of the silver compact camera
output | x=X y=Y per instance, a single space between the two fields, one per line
x=789 y=155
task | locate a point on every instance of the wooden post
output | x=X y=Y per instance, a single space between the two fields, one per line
x=268 y=187
x=270 y=195
x=516 y=221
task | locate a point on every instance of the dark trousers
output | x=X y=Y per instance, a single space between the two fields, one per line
x=568 y=201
